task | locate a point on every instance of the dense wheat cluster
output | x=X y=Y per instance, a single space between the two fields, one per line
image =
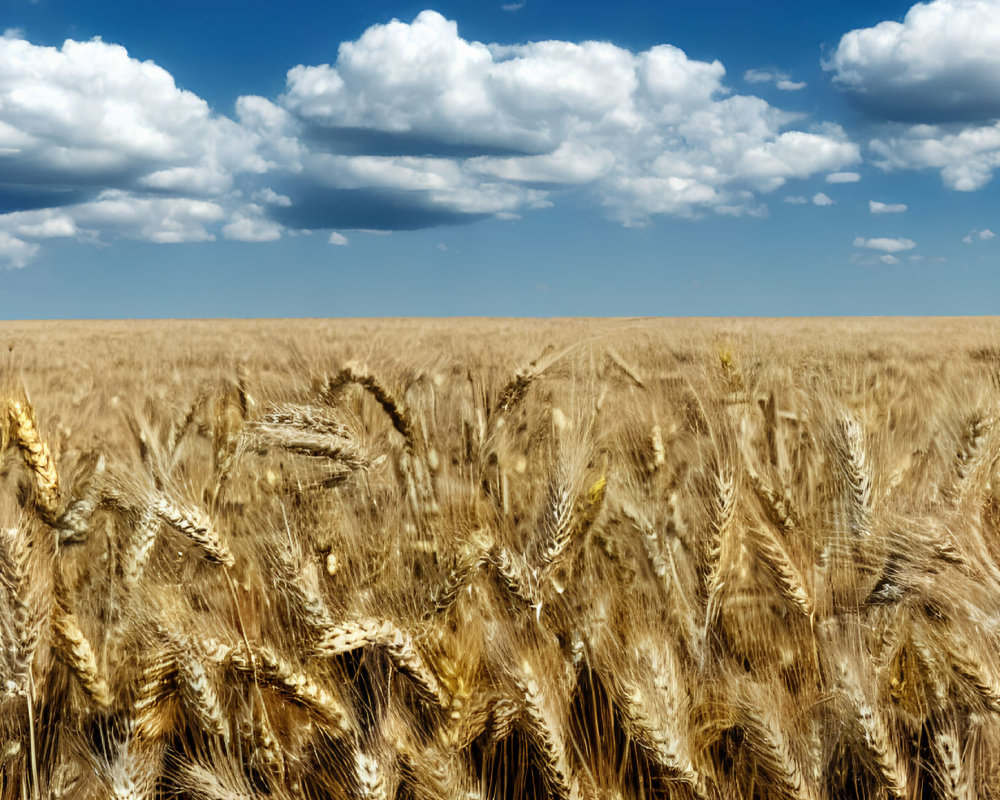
x=500 y=560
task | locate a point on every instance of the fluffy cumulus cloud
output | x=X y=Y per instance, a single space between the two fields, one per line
x=474 y=129
x=941 y=62
x=411 y=126
x=884 y=244
x=822 y=199
x=965 y=156
x=95 y=142
x=937 y=74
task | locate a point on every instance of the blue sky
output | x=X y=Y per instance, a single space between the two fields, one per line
x=538 y=158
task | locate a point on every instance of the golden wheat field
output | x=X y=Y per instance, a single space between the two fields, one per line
x=507 y=559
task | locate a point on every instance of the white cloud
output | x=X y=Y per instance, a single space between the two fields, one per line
x=337 y=239
x=16 y=252
x=938 y=68
x=843 y=177
x=965 y=156
x=796 y=200
x=645 y=133
x=412 y=126
x=821 y=199
x=886 y=245
x=888 y=259
x=514 y=6
x=942 y=62
x=983 y=236
x=876 y=207
x=165 y=220
x=272 y=198
x=39 y=224
x=87 y=114
x=782 y=80
x=248 y=225
x=759 y=76
x=102 y=143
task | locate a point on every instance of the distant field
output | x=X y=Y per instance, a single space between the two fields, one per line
x=500 y=559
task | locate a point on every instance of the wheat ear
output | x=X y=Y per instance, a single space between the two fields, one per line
x=790 y=580
x=198 y=686
x=954 y=776
x=974 y=670
x=37 y=457
x=856 y=469
x=74 y=649
x=272 y=670
x=196 y=526
x=772 y=747
x=398 y=645
x=513 y=392
x=516 y=576
x=881 y=744
x=655 y=713
x=27 y=622
x=74 y=523
x=370 y=776
x=382 y=396
x=458 y=579
x=547 y=731
x=153 y=707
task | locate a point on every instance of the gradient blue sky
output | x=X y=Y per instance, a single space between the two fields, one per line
x=527 y=159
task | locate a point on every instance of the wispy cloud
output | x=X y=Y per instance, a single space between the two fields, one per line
x=983 y=236
x=782 y=80
x=514 y=6
x=843 y=177
x=884 y=244
x=876 y=207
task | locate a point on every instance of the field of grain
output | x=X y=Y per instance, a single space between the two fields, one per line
x=500 y=559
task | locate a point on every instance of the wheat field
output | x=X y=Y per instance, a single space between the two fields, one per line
x=500 y=559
